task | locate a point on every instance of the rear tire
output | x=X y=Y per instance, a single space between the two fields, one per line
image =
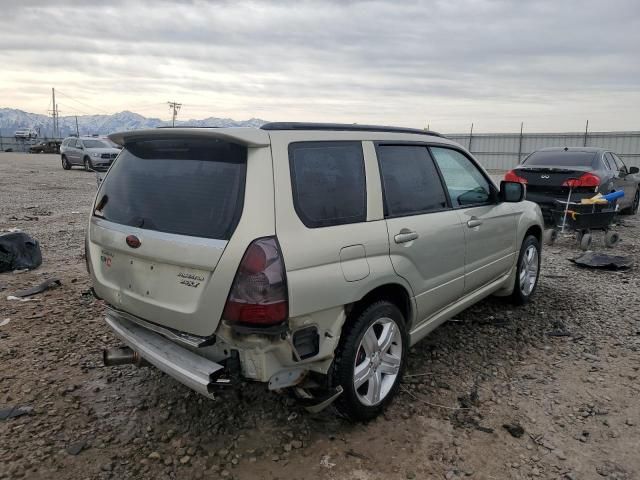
x=527 y=271
x=370 y=360
x=65 y=163
x=633 y=209
x=550 y=236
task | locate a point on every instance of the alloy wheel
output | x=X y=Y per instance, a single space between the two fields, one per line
x=529 y=270
x=378 y=361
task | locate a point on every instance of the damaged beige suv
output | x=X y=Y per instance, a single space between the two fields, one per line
x=306 y=256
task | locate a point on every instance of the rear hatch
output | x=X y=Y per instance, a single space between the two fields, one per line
x=162 y=218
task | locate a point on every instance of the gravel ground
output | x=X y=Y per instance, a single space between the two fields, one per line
x=561 y=372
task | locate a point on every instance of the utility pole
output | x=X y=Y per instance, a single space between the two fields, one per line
x=520 y=145
x=175 y=107
x=53 y=113
x=77 y=130
x=470 y=136
x=586 y=132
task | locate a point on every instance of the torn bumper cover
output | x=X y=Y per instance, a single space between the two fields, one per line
x=194 y=371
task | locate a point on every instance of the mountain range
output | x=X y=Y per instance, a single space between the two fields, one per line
x=12 y=119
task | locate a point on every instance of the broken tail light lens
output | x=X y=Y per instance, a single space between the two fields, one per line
x=512 y=176
x=258 y=296
x=586 y=180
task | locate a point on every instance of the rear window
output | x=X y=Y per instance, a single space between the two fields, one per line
x=187 y=187
x=95 y=144
x=561 y=159
x=328 y=182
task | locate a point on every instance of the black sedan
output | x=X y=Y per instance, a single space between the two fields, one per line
x=49 y=146
x=548 y=174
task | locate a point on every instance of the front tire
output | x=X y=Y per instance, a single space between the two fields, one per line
x=633 y=209
x=527 y=272
x=370 y=360
x=65 y=163
x=88 y=166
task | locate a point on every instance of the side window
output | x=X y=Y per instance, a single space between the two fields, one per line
x=608 y=161
x=410 y=181
x=78 y=143
x=328 y=181
x=619 y=163
x=465 y=183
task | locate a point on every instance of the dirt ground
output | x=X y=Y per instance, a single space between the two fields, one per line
x=565 y=368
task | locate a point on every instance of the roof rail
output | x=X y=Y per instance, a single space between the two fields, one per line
x=346 y=127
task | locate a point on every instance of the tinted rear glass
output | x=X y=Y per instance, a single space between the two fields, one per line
x=328 y=182
x=188 y=187
x=561 y=159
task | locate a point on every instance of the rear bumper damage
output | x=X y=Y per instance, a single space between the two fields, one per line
x=194 y=371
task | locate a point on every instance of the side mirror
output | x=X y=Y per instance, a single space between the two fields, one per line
x=512 y=192
x=633 y=170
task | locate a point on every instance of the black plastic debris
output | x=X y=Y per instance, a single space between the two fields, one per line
x=19 y=251
x=603 y=261
x=46 y=285
x=76 y=447
x=514 y=429
x=12 y=412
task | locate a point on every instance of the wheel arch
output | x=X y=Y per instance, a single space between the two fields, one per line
x=392 y=292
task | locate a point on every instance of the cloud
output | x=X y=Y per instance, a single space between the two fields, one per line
x=407 y=63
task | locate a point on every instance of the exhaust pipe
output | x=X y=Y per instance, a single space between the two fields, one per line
x=122 y=356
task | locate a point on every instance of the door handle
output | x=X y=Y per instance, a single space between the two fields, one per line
x=405 y=236
x=474 y=222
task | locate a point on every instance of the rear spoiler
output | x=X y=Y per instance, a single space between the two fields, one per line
x=249 y=137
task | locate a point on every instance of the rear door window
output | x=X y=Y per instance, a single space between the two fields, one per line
x=187 y=187
x=410 y=181
x=465 y=183
x=608 y=161
x=328 y=182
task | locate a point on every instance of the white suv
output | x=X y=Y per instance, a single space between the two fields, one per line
x=311 y=256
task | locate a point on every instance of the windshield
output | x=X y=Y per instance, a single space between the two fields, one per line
x=95 y=144
x=560 y=159
x=187 y=187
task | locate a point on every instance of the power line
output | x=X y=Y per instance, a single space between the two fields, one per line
x=85 y=104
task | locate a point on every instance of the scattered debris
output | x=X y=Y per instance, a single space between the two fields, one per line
x=26 y=218
x=4 y=322
x=514 y=429
x=17 y=251
x=76 y=447
x=559 y=333
x=603 y=261
x=324 y=462
x=13 y=297
x=46 y=285
x=12 y=412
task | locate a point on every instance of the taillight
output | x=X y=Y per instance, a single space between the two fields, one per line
x=258 y=295
x=586 y=180
x=512 y=176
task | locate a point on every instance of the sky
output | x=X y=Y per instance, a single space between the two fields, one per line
x=442 y=64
